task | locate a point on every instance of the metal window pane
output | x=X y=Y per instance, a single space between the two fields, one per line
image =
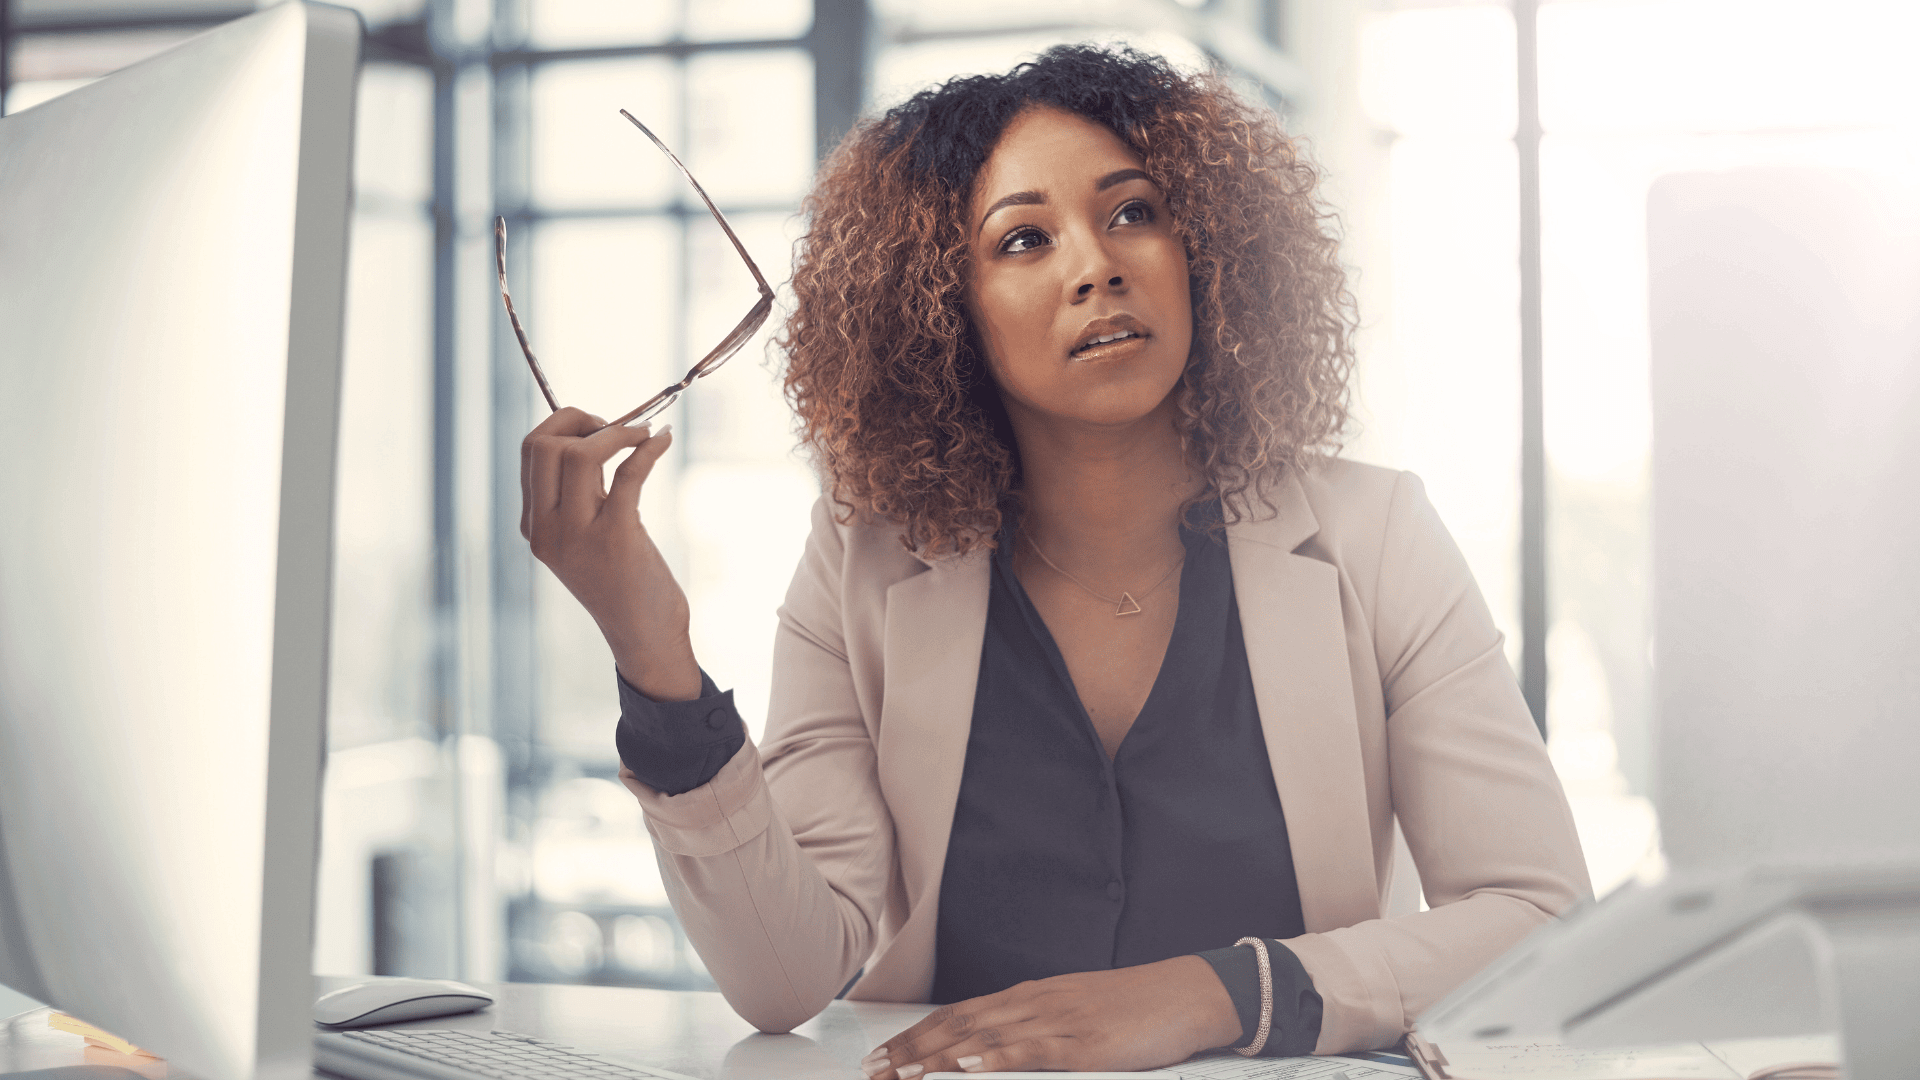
x=750 y=127
x=735 y=20
x=565 y=24
x=584 y=155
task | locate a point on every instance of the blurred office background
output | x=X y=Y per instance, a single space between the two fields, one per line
x=1490 y=162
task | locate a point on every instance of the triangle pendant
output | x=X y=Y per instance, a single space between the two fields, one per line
x=1127 y=605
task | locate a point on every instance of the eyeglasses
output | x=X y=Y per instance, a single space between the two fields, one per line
x=721 y=353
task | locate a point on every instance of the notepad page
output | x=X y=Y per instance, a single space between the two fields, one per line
x=1552 y=1061
x=1748 y=1056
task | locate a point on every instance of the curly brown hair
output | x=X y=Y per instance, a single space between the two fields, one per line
x=882 y=366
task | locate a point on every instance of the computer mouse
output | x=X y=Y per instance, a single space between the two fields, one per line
x=389 y=1001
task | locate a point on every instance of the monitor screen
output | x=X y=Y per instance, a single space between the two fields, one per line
x=172 y=268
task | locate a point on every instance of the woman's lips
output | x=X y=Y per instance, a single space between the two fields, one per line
x=1109 y=335
x=1109 y=350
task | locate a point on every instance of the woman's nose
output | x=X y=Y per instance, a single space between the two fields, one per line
x=1115 y=282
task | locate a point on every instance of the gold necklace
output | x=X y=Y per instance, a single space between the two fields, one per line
x=1125 y=604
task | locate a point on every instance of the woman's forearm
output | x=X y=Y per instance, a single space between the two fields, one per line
x=781 y=928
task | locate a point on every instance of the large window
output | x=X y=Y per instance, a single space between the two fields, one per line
x=630 y=283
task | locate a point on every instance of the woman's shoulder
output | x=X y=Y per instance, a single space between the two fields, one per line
x=860 y=548
x=1333 y=499
x=1354 y=515
x=1341 y=491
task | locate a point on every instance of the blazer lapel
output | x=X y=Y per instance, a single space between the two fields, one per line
x=935 y=624
x=1291 y=618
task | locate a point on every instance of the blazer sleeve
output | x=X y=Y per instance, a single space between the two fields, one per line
x=1476 y=797
x=782 y=896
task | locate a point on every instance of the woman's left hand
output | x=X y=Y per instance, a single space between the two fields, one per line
x=1125 y=1019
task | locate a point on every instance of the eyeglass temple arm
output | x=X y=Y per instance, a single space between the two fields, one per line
x=520 y=332
x=728 y=229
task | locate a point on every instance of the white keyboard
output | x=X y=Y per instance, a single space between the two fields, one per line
x=435 y=1054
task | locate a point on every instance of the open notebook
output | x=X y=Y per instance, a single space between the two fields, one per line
x=1808 y=1058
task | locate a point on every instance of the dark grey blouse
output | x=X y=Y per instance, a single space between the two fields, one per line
x=1061 y=859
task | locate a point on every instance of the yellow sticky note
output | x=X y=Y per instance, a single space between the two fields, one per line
x=62 y=1022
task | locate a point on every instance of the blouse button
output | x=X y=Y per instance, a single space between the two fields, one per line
x=717 y=719
x=1114 y=891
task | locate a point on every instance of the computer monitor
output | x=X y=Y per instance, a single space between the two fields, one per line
x=172 y=278
x=1785 y=317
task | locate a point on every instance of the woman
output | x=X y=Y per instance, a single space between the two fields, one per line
x=1096 y=663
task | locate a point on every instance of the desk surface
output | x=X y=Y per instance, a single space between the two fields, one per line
x=688 y=1031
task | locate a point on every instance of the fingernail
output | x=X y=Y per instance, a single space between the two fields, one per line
x=875 y=1056
x=664 y=428
x=910 y=1071
x=970 y=1062
x=875 y=1067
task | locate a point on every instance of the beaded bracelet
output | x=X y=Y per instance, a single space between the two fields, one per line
x=1266 y=998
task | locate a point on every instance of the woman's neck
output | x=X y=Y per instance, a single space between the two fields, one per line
x=1105 y=501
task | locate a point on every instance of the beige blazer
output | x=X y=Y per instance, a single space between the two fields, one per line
x=1383 y=692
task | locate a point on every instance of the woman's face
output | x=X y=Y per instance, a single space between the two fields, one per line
x=1071 y=244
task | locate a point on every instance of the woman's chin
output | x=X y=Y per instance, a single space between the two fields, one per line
x=1127 y=411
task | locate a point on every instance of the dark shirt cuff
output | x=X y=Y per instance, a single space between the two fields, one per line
x=675 y=746
x=1296 y=1004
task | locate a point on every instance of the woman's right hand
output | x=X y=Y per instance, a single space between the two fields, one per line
x=592 y=539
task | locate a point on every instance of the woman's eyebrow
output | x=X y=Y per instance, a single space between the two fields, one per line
x=1018 y=198
x=1121 y=176
x=1039 y=198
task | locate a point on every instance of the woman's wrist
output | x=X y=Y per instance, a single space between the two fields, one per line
x=1211 y=1012
x=661 y=674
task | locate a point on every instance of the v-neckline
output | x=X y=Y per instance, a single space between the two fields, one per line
x=1037 y=625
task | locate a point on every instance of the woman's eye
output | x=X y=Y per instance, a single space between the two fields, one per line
x=1133 y=213
x=1024 y=240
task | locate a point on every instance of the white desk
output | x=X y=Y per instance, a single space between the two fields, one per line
x=688 y=1031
